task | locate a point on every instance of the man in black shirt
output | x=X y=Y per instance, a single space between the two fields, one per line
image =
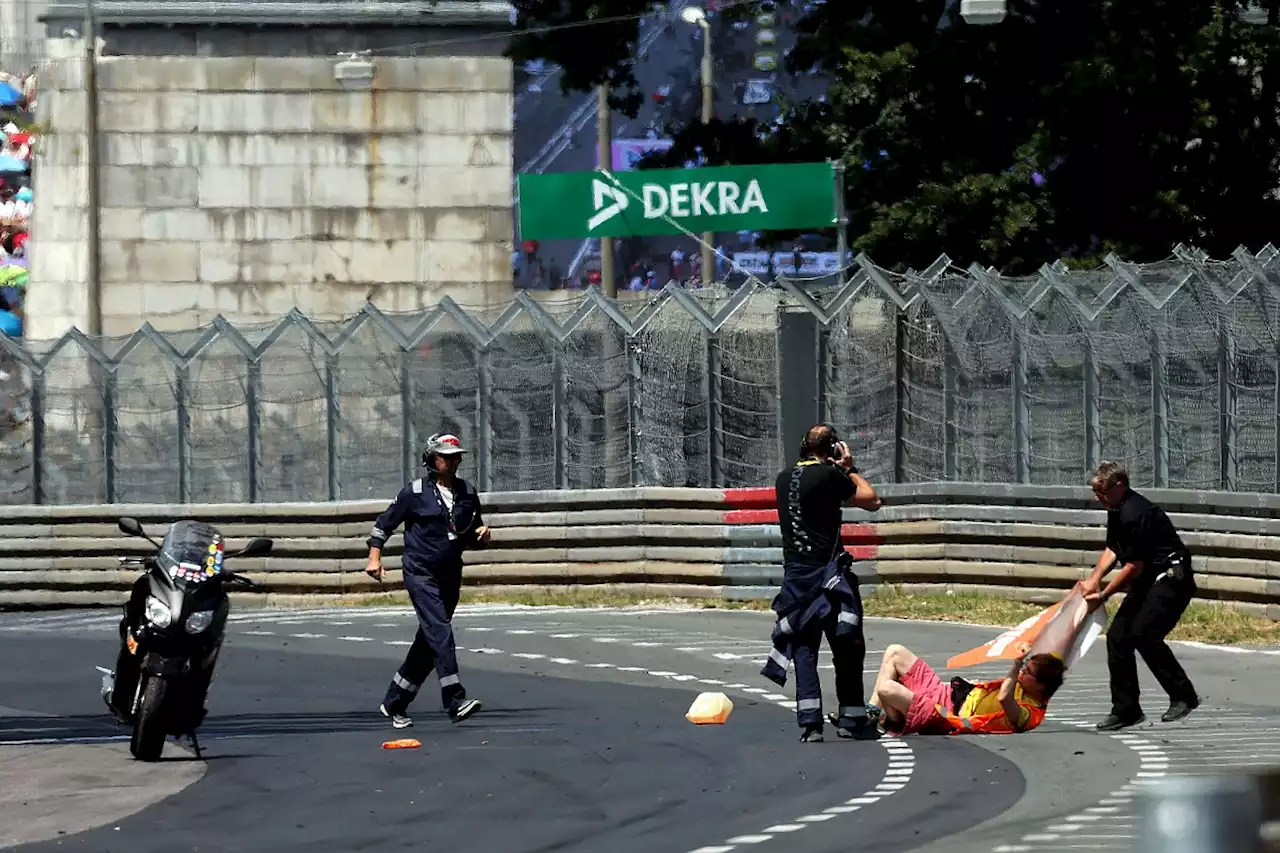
x=1155 y=572
x=819 y=594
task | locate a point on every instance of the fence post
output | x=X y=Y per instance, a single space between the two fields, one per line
x=333 y=417
x=1159 y=415
x=408 y=437
x=899 y=395
x=484 y=407
x=779 y=422
x=1092 y=410
x=560 y=416
x=635 y=411
x=950 y=438
x=715 y=428
x=181 y=376
x=37 y=436
x=1227 y=424
x=109 y=430
x=1021 y=411
x=253 y=415
x=826 y=372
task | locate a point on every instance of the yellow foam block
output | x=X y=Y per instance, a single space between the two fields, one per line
x=710 y=709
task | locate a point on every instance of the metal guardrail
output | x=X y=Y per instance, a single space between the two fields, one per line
x=1029 y=544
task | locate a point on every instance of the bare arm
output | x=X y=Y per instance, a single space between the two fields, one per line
x=1009 y=696
x=864 y=496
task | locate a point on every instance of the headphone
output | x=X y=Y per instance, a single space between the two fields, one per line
x=826 y=449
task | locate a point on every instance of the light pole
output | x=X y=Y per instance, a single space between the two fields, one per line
x=695 y=15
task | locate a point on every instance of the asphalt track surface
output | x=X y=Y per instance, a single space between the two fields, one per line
x=582 y=745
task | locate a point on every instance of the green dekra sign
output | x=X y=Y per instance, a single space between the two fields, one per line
x=567 y=205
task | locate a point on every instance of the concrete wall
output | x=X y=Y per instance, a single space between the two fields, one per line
x=21 y=34
x=247 y=186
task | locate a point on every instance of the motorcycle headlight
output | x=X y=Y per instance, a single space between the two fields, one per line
x=198 y=621
x=158 y=613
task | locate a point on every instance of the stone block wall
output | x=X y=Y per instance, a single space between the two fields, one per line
x=247 y=186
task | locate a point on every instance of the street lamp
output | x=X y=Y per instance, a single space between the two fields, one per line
x=695 y=15
x=983 y=12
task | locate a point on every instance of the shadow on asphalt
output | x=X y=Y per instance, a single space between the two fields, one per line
x=92 y=728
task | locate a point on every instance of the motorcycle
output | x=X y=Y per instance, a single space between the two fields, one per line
x=171 y=634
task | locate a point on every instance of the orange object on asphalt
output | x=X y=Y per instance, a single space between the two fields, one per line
x=710 y=709
x=405 y=743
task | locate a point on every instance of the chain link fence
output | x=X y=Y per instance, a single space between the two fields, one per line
x=945 y=374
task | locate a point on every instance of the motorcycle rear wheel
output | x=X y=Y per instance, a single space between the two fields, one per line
x=148 y=727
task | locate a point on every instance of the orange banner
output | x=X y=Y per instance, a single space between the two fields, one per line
x=1011 y=644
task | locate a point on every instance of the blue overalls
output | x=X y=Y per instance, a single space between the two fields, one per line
x=816 y=602
x=434 y=539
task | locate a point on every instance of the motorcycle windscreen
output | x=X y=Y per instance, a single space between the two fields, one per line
x=192 y=552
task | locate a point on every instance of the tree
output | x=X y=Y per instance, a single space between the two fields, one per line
x=593 y=42
x=1074 y=128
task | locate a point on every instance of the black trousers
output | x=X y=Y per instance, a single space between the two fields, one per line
x=1140 y=626
x=435 y=598
x=848 y=654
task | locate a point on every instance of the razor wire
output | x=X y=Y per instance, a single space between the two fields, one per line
x=1172 y=368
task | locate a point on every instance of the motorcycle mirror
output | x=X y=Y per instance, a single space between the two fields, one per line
x=132 y=527
x=255 y=548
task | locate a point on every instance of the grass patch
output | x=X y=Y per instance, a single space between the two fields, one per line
x=1202 y=622
x=893 y=602
x=1209 y=623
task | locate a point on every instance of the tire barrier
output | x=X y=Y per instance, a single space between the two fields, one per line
x=1022 y=542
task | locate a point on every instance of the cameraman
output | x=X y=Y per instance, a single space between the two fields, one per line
x=819 y=594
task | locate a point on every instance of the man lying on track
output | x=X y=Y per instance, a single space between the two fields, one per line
x=910 y=698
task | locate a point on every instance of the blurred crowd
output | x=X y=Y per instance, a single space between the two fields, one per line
x=17 y=198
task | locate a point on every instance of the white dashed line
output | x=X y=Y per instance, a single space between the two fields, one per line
x=1108 y=820
x=900 y=767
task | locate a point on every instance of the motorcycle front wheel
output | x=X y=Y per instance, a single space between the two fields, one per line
x=148 y=727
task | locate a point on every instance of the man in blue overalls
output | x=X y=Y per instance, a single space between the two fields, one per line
x=441 y=515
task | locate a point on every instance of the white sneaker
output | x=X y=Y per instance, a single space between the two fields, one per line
x=464 y=709
x=400 y=721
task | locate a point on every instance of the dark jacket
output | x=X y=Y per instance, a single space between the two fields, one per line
x=808 y=594
x=427 y=524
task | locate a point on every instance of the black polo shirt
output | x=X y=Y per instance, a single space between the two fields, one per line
x=810 y=499
x=1139 y=531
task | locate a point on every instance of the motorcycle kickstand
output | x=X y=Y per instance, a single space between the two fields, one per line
x=195 y=745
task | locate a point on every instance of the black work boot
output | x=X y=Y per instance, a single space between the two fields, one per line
x=1114 y=722
x=1179 y=708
